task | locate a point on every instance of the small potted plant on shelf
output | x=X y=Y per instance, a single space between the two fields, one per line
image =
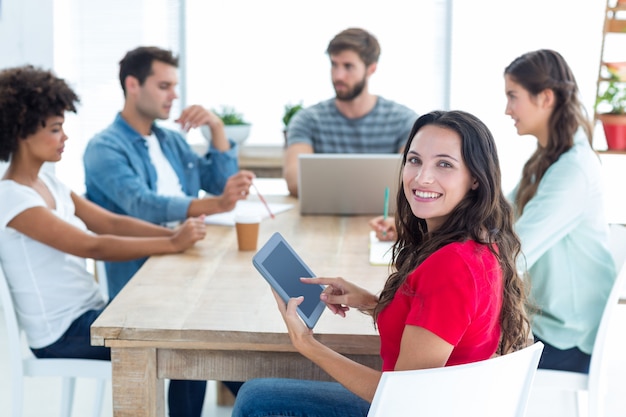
x=611 y=107
x=290 y=111
x=235 y=126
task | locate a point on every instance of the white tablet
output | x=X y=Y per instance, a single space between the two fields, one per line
x=282 y=268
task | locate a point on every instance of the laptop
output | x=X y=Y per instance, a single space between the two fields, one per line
x=347 y=184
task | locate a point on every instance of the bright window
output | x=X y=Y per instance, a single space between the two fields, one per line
x=259 y=56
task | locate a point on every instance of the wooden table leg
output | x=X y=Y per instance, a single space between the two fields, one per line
x=224 y=396
x=137 y=391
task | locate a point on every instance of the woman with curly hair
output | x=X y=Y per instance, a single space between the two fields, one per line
x=559 y=210
x=455 y=296
x=47 y=231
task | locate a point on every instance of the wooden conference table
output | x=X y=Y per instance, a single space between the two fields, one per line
x=207 y=314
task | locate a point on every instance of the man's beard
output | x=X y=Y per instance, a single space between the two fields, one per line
x=352 y=93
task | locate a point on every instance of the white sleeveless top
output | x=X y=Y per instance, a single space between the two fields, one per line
x=50 y=288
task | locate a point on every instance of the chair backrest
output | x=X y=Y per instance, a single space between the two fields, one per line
x=497 y=387
x=594 y=384
x=23 y=363
x=599 y=366
x=13 y=329
x=617 y=243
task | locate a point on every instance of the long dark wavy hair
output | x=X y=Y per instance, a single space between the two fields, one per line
x=537 y=71
x=484 y=215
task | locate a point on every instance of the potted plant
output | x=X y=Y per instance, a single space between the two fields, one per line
x=235 y=125
x=610 y=107
x=290 y=111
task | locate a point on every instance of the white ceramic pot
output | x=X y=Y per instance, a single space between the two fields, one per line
x=238 y=133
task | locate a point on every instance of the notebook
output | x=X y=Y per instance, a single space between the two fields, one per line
x=347 y=184
x=249 y=207
x=380 y=251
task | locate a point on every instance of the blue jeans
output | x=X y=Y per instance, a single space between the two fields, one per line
x=292 y=397
x=573 y=360
x=185 y=398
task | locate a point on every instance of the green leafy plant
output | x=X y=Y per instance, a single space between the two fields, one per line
x=290 y=110
x=230 y=116
x=613 y=99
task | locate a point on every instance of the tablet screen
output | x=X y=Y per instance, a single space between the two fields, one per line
x=287 y=270
x=282 y=268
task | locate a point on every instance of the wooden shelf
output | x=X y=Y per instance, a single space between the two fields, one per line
x=616 y=26
x=607 y=152
x=617 y=7
x=607 y=79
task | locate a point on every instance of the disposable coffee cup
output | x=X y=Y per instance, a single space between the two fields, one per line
x=247 y=226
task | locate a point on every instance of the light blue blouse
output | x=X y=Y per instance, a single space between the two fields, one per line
x=565 y=245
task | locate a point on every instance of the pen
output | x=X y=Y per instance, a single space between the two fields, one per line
x=263 y=201
x=386 y=208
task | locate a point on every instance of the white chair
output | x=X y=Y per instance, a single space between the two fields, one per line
x=617 y=243
x=572 y=390
x=23 y=365
x=100 y=273
x=618 y=248
x=497 y=387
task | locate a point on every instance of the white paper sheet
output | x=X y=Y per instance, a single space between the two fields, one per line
x=380 y=251
x=248 y=207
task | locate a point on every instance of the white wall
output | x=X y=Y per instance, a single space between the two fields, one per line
x=26 y=37
x=92 y=37
x=26 y=33
x=489 y=34
x=83 y=41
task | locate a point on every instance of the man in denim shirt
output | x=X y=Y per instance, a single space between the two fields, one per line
x=136 y=168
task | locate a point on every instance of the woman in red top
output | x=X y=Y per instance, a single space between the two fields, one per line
x=454 y=296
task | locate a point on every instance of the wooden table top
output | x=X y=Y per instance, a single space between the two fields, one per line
x=211 y=296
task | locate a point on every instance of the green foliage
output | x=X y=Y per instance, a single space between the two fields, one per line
x=290 y=110
x=613 y=99
x=230 y=116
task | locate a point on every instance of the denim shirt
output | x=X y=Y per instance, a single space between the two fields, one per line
x=120 y=177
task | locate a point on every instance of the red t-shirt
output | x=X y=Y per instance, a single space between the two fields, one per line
x=456 y=293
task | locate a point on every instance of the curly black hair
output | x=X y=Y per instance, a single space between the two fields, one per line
x=29 y=96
